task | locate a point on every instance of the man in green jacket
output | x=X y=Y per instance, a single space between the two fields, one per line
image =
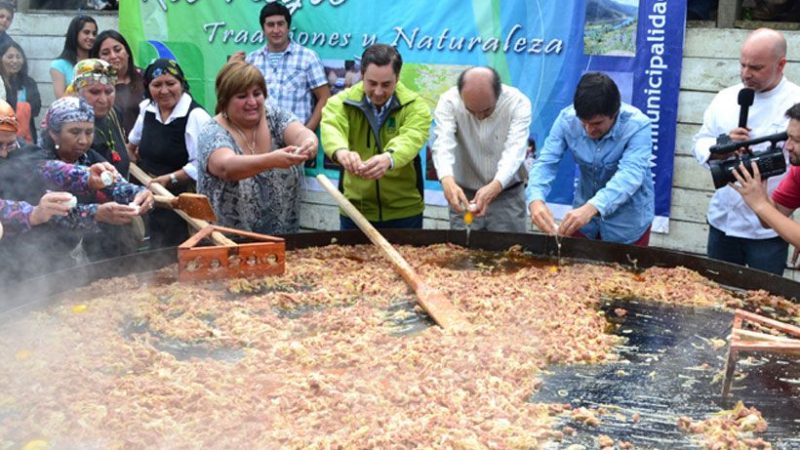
x=375 y=131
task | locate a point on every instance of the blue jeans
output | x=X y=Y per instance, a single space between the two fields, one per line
x=409 y=222
x=768 y=255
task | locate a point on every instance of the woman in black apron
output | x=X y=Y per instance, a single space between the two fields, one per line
x=164 y=140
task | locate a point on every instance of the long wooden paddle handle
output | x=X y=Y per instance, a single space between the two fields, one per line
x=163 y=200
x=402 y=266
x=161 y=191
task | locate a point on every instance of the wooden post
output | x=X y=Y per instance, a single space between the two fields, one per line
x=728 y=12
x=23 y=5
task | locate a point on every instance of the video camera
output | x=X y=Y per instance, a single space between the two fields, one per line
x=770 y=162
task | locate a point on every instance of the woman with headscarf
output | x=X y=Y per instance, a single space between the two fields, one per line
x=112 y=47
x=164 y=140
x=94 y=81
x=16 y=214
x=49 y=231
x=73 y=147
x=69 y=133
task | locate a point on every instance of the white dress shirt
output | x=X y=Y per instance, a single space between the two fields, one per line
x=475 y=152
x=194 y=124
x=727 y=211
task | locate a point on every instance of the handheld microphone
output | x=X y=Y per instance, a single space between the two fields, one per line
x=746 y=96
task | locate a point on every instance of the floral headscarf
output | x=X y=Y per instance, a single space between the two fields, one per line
x=8 y=118
x=91 y=71
x=68 y=110
x=160 y=67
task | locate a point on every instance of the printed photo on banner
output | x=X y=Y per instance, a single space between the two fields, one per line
x=342 y=73
x=610 y=27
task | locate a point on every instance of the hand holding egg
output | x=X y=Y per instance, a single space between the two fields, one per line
x=143 y=202
x=72 y=202
x=102 y=175
x=52 y=204
x=107 y=178
x=309 y=147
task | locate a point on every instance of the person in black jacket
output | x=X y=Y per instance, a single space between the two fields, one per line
x=6 y=18
x=111 y=47
x=29 y=175
x=94 y=81
x=20 y=87
x=68 y=137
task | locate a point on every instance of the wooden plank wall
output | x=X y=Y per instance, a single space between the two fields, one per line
x=710 y=63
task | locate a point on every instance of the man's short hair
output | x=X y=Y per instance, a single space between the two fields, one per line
x=8 y=6
x=793 y=113
x=596 y=95
x=381 y=55
x=497 y=84
x=275 y=9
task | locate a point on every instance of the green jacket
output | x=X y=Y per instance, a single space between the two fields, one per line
x=349 y=123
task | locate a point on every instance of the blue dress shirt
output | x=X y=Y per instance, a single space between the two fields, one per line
x=614 y=173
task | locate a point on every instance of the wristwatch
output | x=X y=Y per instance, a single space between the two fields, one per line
x=173 y=179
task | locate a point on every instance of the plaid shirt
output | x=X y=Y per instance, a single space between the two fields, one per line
x=291 y=81
x=380 y=111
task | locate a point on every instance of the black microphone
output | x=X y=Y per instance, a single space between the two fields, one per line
x=746 y=96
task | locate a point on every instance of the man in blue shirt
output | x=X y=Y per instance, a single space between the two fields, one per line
x=611 y=144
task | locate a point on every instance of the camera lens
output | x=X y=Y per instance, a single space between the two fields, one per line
x=769 y=164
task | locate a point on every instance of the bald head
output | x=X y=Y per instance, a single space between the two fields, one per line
x=768 y=41
x=762 y=59
x=479 y=88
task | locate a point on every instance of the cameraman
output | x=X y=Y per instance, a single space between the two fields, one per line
x=735 y=234
x=786 y=198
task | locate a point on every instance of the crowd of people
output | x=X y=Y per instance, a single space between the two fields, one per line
x=65 y=185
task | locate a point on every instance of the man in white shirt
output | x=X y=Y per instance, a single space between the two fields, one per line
x=735 y=232
x=481 y=136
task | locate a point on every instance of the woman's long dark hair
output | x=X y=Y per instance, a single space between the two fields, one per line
x=70 y=51
x=14 y=81
x=132 y=73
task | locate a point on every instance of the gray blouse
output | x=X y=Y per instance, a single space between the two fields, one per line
x=268 y=202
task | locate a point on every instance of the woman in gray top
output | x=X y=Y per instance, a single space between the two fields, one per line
x=251 y=155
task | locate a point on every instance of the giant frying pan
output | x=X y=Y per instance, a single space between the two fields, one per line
x=657 y=329
x=577 y=249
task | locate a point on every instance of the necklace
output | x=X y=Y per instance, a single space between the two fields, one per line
x=248 y=145
x=108 y=136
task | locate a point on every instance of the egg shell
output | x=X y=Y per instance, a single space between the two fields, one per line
x=107 y=178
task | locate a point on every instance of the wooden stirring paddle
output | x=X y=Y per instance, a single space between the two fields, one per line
x=195 y=205
x=439 y=307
